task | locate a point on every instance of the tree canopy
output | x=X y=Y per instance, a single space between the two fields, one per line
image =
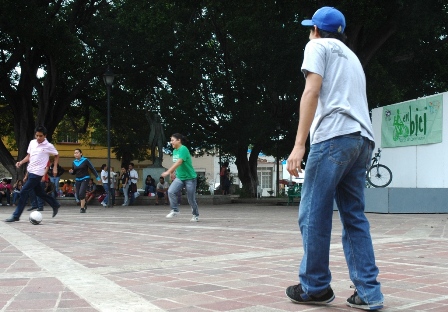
x=224 y=73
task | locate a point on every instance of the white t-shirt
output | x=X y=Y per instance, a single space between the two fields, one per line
x=133 y=174
x=342 y=106
x=104 y=176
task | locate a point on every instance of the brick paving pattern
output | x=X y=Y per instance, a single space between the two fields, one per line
x=239 y=257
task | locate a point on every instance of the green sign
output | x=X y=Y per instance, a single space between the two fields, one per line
x=414 y=122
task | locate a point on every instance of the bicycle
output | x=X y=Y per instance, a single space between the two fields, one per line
x=378 y=175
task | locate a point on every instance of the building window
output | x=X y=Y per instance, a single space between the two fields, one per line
x=67 y=137
x=265 y=177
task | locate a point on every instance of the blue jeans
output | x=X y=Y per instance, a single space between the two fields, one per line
x=336 y=170
x=55 y=181
x=106 y=189
x=33 y=184
x=173 y=192
x=126 y=195
x=15 y=197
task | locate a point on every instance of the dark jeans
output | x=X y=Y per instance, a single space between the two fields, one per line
x=7 y=195
x=33 y=184
x=37 y=202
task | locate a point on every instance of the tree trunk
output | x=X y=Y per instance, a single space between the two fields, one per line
x=247 y=170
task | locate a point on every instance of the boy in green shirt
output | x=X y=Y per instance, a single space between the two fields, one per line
x=185 y=177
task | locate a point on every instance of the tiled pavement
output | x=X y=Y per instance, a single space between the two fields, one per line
x=237 y=258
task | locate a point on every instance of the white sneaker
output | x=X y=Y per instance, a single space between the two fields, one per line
x=104 y=204
x=194 y=219
x=172 y=214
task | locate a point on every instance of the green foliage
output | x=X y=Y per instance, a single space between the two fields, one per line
x=224 y=73
x=202 y=186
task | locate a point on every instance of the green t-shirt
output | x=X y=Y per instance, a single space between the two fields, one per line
x=184 y=171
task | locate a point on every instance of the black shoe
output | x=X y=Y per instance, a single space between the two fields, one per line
x=55 y=211
x=356 y=302
x=12 y=219
x=32 y=208
x=40 y=209
x=297 y=295
x=82 y=210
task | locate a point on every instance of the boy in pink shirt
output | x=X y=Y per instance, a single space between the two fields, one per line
x=39 y=151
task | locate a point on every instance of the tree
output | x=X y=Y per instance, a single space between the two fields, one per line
x=45 y=65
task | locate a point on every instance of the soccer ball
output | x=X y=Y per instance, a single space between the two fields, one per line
x=35 y=217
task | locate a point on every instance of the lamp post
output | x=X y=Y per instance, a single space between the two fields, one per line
x=108 y=78
x=277 y=161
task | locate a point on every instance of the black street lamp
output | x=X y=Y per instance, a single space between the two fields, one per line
x=108 y=78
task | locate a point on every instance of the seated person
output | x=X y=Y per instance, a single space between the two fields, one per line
x=67 y=189
x=162 y=190
x=16 y=191
x=150 y=185
x=49 y=188
x=5 y=190
x=90 y=191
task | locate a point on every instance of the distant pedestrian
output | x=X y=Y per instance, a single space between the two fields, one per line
x=185 y=176
x=334 y=112
x=105 y=180
x=224 y=178
x=55 y=180
x=133 y=180
x=80 y=168
x=125 y=185
x=38 y=155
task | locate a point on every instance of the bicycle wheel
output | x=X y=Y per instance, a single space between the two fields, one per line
x=379 y=176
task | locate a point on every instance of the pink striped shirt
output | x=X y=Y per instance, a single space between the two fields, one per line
x=39 y=156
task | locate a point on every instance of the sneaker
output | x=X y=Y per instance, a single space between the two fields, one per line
x=194 y=219
x=12 y=219
x=356 y=302
x=1 y=204
x=82 y=210
x=104 y=205
x=7 y=204
x=297 y=295
x=172 y=214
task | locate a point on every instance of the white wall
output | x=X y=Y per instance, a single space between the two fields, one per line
x=421 y=166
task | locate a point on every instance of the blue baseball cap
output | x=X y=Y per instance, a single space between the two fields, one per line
x=328 y=19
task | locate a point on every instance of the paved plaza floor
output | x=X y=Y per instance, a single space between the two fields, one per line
x=239 y=257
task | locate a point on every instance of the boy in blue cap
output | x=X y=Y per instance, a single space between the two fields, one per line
x=334 y=112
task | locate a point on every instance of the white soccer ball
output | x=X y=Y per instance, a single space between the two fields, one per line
x=35 y=217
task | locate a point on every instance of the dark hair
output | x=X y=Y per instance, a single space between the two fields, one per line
x=325 y=34
x=103 y=166
x=78 y=149
x=131 y=164
x=41 y=129
x=180 y=137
